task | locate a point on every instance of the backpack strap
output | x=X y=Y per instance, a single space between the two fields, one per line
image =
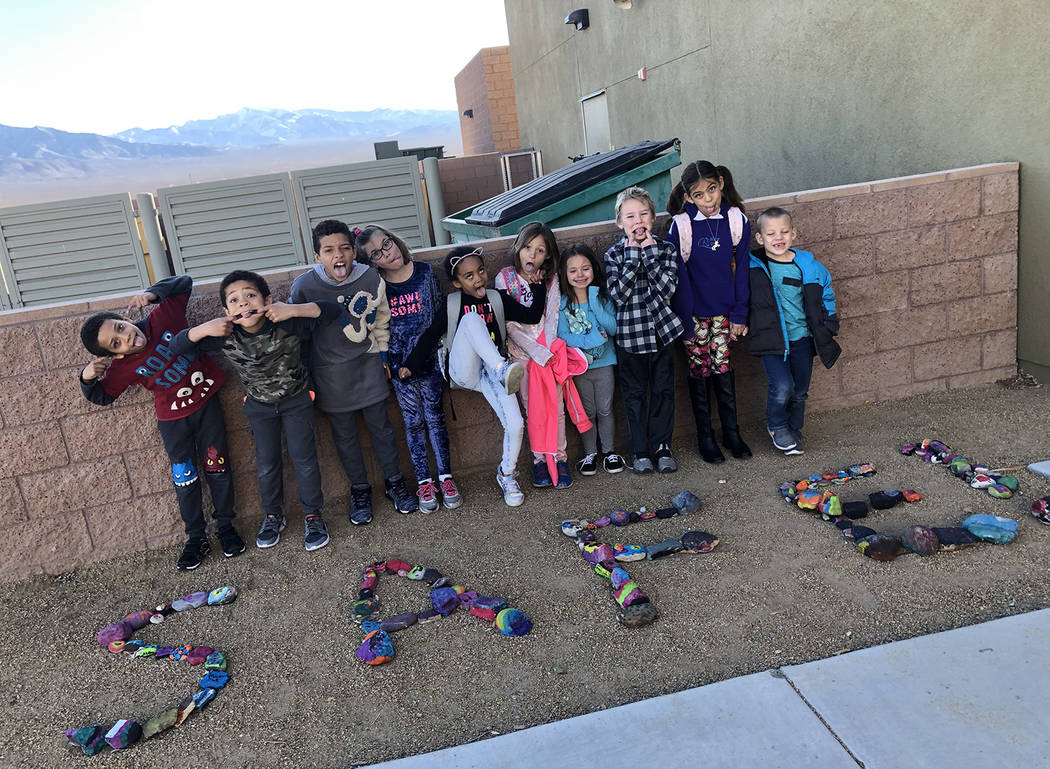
x=497 y=309
x=736 y=224
x=685 y=234
x=736 y=231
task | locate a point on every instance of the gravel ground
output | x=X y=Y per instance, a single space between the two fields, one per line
x=782 y=588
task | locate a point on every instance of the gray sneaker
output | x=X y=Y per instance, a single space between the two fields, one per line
x=270 y=531
x=782 y=438
x=316 y=532
x=642 y=465
x=664 y=460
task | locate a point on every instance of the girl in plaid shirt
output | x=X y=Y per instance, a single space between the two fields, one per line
x=642 y=274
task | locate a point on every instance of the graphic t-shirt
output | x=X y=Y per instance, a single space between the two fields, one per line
x=180 y=384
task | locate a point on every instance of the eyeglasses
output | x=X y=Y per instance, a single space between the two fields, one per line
x=457 y=259
x=384 y=248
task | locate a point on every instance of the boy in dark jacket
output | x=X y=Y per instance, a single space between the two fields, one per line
x=792 y=318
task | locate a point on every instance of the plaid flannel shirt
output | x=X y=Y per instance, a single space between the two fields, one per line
x=641 y=281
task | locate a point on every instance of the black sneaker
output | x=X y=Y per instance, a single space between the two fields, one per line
x=316 y=532
x=232 y=544
x=360 y=504
x=613 y=463
x=588 y=465
x=270 y=531
x=397 y=492
x=193 y=553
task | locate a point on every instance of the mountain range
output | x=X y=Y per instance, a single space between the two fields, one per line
x=40 y=153
x=258 y=127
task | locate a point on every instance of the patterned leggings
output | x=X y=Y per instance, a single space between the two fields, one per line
x=420 y=398
x=708 y=349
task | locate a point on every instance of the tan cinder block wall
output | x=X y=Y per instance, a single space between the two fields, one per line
x=925 y=270
x=486 y=86
x=469 y=179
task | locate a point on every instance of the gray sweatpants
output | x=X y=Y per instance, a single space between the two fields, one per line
x=596 y=386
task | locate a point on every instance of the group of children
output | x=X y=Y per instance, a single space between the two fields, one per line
x=551 y=333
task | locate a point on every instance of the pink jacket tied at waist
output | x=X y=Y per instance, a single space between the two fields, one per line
x=565 y=363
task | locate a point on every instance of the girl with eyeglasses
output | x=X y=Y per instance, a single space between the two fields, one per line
x=475 y=348
x=417 y=322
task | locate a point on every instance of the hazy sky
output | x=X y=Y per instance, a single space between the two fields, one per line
x=108 y=65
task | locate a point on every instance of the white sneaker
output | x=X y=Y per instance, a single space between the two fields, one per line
x=510 y=373
x=512 y=494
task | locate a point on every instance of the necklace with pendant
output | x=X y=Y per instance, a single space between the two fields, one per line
x=712 y=234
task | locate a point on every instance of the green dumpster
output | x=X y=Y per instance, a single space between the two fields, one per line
x=580 y=193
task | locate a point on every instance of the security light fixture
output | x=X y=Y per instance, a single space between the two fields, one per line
x=625 y=4
x=468 y=113
x=580 y=18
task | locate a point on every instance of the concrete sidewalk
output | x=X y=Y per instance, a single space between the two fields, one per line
x=973 y=697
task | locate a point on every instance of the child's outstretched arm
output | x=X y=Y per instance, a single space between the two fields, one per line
x=175 y=285
x=205 y=336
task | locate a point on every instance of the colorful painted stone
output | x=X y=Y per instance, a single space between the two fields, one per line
x=377 y=648
x=513 y=622
x=124 y=733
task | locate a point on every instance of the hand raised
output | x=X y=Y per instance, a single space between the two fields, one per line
x=96 y=369
x=139 y=302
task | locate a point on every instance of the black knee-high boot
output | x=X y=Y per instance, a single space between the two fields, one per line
x=725 y=395
x=705 y=439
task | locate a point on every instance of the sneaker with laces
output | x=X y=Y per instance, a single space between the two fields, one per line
x=613 y=463
x=665 y=460
x=564 y=476
x=642 y=465
x=588 y=465
x=510 y=373
x=428 y=496
x=360 y=504
x=193 y=553
x=270 y=530
x=397 y=492
x=316 y=532
x=232 y=544
x=450 y=494
x=541 y=476
x=511 y=490
x=782 y=438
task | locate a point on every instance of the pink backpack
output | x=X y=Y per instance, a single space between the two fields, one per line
x=685 y=232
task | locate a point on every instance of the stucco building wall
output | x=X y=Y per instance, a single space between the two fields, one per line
x=800 y=95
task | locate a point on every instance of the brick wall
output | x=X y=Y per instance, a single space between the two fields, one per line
x=486 y=86
x=470 y=179
x=925 y=269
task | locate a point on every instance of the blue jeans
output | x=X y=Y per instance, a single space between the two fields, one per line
x=789 y=385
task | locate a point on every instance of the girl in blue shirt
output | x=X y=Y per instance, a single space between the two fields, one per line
x=587 y=321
